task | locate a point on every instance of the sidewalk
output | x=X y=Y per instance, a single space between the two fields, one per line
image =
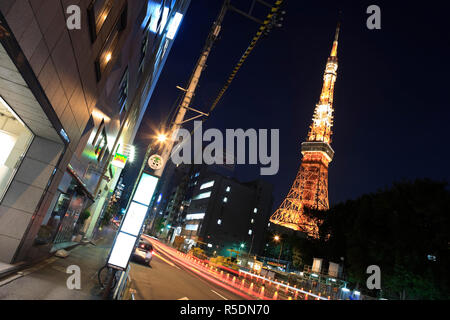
x=47 y=280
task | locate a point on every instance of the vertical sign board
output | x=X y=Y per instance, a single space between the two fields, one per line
x=131 y=226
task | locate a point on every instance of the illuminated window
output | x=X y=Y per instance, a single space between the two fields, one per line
x=225 y=200
x=15 y=138
x=98 y=12
x=202 y=196
x=207 y=185
x=252 y=221
x=219 y=222
x=228 y=189
x=108 y=51
x=250 y=232
x=174 y=25
x=255 y=210
x=195 y=216
x=191 y=227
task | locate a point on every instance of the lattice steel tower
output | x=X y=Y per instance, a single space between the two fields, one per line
x=310 y=188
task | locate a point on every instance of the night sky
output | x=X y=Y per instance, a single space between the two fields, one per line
x=391 y=96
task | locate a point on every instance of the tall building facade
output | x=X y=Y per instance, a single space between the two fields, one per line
x=310 y=188
x=221 y=212
x=71 y=101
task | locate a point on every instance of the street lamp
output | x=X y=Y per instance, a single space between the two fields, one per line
x=162 y=138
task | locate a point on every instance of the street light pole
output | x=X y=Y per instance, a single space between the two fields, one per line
x=281 y=249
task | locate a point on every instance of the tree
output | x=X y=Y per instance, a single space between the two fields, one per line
x=396 y=229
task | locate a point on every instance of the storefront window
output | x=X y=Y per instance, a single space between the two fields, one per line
x=15 y=139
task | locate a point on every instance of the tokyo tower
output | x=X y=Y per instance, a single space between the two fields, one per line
x=310 y=188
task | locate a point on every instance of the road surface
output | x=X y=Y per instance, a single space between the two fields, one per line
x=169 y=279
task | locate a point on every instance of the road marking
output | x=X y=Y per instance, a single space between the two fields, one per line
x=219 y=295
x=184 y=298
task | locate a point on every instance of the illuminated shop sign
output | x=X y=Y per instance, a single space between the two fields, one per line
x=119 y=161
x=133 y=220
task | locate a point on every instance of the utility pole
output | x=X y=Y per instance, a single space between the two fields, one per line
x=192 y=86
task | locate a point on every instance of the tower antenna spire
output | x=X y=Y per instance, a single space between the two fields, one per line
x=336 y=39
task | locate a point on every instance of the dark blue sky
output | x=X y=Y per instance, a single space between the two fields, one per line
x=391 y=97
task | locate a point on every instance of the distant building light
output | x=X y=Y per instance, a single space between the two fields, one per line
x=159 y=198
x=209 y=245
x=255 y=210
x=206 y=185
x=195 y=216
x=191 y=227
x=219 y=222
x=252 y=221
x=228 y=189
x=225 y=200
x=314 y=275
x=250 y=232
x=268 y=224
x=197 y=174
x=202 y=196
x=345 y=289
x=357 y=293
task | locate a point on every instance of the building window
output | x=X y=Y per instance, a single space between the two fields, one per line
x=255 y=210
x=109 y=49
x=144 y=46
x=268 y=224
x=228 y=189
x=250 y=232
x=202 y=196
x=252 y=221
x=207 y=185
x=123 y=93
x=98 y=12
x=15 y=138
x=225 y=200
x=219 y=222
x=191 y=227
x=195 y=216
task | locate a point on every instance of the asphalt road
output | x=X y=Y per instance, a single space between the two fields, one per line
x=166 y=279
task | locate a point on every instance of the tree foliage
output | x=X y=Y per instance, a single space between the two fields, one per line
x=397 y=229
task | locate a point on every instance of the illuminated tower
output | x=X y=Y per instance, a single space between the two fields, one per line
x=310 y=188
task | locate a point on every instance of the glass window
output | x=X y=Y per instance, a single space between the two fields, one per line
x=15 y=138
x=98 y=12
x=207 y=185
x=195 y=216
x=123 y=93
x=191 y=227
x=202 y=196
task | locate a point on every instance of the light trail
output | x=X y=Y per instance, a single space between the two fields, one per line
x=195 y=268
x=200 y=269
